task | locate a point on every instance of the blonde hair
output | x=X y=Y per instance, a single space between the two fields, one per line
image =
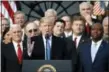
x=45 y=20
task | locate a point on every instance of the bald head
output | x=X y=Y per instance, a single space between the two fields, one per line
x=36 y=22
x=31 y=29
x=30 y=25
x=85 y=8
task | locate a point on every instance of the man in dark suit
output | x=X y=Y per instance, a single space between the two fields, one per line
x=57 y=46
x=78 y=36
x=31 y=29
x=12 y=53
x=67 y=30
x=94 y=54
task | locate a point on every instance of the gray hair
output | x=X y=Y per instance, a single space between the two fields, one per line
x=51 y=11
x=85 y=3
x=106 y=18
x=15 y=26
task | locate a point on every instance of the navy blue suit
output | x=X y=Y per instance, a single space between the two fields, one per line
x=83 y=39
x=100 y=63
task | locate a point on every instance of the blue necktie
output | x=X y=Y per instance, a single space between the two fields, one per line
x=47 y=51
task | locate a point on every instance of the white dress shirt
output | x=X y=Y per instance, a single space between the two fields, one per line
x=94 y=49
x=23 y=34
x=67 y=34
x=30 y=46
x=77 y=40
x=16 y=46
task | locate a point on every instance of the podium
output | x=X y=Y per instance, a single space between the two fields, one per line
x=46 y=66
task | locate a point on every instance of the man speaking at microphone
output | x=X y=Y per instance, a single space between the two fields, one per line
x=47 y=46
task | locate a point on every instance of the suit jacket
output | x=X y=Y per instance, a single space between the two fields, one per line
x=108 y=64
x=83 y=39
x=25 y=54
x=9 y=60
x=93 y=20
x=58 y=48
x=100 y=63
x=72 y=53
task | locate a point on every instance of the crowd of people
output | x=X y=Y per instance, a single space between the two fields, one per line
x=80 y=38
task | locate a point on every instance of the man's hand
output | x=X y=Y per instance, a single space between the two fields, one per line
x=30 y=47
x=88 y=19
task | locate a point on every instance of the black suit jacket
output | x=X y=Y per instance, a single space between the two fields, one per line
x=9 y=60
x=62 y=49
x=58 y=48
x=72 y=53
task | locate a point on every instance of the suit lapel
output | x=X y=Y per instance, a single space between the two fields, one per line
x=63 y=35
x=25 y=44
x=89 y=52
x=71 y=37
x=13 y=52
x=81 y=40
x=53 y=48
x=42 y=47
x=25 y=48
x=98 y=52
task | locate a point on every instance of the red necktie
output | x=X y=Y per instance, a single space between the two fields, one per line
x=19 y=53
x=75 y=40
x=87 y=28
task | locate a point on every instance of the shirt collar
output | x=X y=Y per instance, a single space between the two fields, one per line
x=99 y=42
x=79 y=36
x=15 y=43
x=93 y=16
x=70 y=32
x=49 y=38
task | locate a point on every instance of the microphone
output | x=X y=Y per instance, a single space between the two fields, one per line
x=47 y=36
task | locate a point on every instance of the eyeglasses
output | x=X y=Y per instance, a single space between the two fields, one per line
x=32 y=30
